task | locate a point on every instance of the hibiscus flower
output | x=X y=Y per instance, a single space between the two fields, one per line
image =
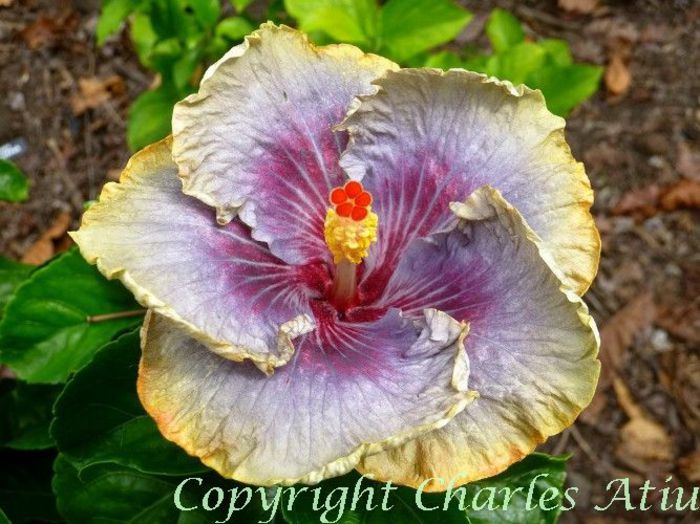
x=351 y=265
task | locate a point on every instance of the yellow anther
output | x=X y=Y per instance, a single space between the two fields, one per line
x=349 y=239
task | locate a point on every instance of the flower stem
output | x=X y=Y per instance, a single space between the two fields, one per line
x=345 y=284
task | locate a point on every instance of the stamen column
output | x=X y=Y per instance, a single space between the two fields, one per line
x=349 y=229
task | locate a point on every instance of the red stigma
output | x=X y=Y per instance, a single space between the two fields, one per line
x=338 y=196
x=351 y=200
x=344 y=210
x=353 y=188
x=363 y=199
x=358 y=213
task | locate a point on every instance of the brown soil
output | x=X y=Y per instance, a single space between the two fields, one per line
x=69 y=156
x=647 y=138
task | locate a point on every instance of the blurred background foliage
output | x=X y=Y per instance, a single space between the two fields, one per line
x=178 y=39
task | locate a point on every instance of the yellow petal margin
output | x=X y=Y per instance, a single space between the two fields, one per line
x=529 y=389
x=304 y=423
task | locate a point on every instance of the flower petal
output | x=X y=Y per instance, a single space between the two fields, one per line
x=224 y=288
x=349 y=390
x=427 y=138
x=258 y=134
x=532 y=345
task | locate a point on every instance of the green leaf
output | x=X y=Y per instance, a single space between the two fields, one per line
x=174 y=62
x=240 y=5
x=275 y=11
x=113 y=493
x=183 y=70
x=558 y=51
x=412 y=26
x=444 y=60
x=150 y=117
x=25 y=486
x=517 y=62
x=234 y=28
x=13 y=183
x=45 y=334
x=207 y=12
x=503 y=30
x=353 y=21
x=99 y=417
x=25 y=414
x=114 y=12
x=542 y=479
x=477 y=63
x=169 y=19
x=167 y=50
x=12 y=274
x=216 y=48
x=143 y=36
x=567 y=86
x=3 y=518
